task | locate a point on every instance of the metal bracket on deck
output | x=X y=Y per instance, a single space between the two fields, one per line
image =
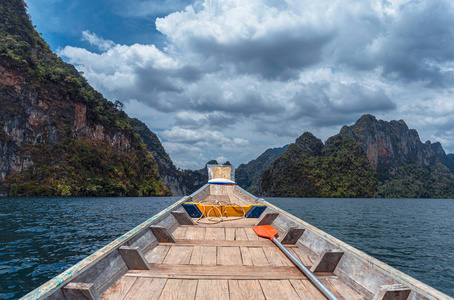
x=327 y=261
x=76 y=291
x=392 y=292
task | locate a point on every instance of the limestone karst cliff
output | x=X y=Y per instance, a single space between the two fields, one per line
x=58 y=136
x=309 y=168
x=405 y=167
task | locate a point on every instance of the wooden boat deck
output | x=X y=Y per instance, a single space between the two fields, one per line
x=223 y=261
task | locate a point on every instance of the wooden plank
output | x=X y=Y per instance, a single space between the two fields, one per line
x=292 y=236
x=134 y=258
x=119 y=289
x=183 y=218
x=245 y=289
x=230 y=234
x=251 y=235
x=179 y=289
x=276 y=257
x=196 y=257
x=341 y=289
x=278 y=289
x=258 y=256
x=157 y=255
x=268 y=219
x=212 y=289
x=180 y=232
x=240 y=234
x=195 y=233
x=203 y=255
x=209 y=255
x=146 y=288
x=232 y=223
x=218 y=272
x=246 y=256
x=327 y=261
x=178 y=255
x=229 y=256
x=301 y=255
x=392 y=292
x=306 y=290
x=162 y=234
x=215 y=234
x=76 y=291
x=226 y=243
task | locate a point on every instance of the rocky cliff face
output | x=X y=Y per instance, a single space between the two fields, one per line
x=390 y=145
x=308 y=168
x=179 y=182
x=51 y=119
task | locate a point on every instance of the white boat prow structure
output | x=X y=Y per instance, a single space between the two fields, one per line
x=204 y=247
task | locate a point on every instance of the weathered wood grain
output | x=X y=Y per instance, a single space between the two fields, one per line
x=258 y=256
x=327 y=261
x=229 y=256
x=219 y=272
x=215 y=234
x=179 y=289
x=134 y=258
x=162 y=234
x=146 y=289
x=178 y=255
x=292 y=236
x=306 y=290
x=392 y=292
x=225 y=243
x=268 y=219
x=245 y=289
x=157 y=255
x=119 y=289
x=183 y=218
x=80 y=291
x=278 y=289
x=212 y=290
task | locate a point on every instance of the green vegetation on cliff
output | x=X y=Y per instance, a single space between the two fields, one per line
x=310 y=169
x=248 y=175
x=87 y=168
x=42 y=151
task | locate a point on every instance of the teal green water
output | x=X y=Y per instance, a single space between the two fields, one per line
x=42 y=237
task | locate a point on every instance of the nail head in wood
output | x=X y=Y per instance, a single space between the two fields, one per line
x=162 y=234
x=393 y=292
x=327 y=261
x=292 y=236
x=182 y=218
x=78 y=291
x=268 y=219
x=134 y=258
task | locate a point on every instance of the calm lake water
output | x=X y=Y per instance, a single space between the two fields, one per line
x=42 y=237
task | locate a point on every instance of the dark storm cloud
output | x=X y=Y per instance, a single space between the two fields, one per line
x=278 y=56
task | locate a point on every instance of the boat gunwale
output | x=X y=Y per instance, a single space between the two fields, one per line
x=414 y=284
x=56 y=282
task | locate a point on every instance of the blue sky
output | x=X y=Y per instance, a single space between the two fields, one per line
x=229 y=79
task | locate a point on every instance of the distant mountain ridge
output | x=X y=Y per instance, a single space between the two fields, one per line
x=179 y=182
x=248 y=175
